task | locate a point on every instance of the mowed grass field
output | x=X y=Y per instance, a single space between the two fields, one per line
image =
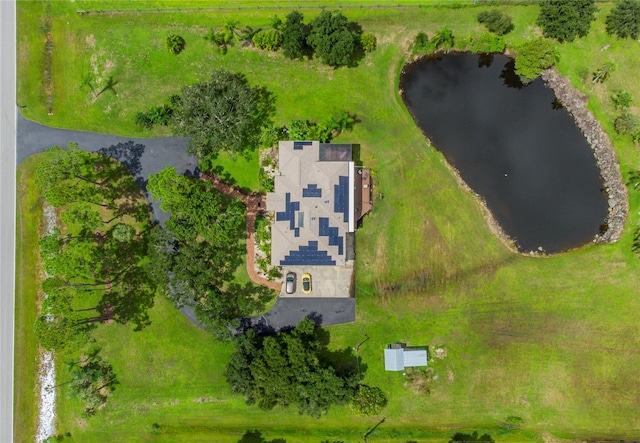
x=553 y=340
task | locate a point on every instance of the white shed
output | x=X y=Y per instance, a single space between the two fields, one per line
x=396 y=359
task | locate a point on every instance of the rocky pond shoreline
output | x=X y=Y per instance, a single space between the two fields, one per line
x=575 y=103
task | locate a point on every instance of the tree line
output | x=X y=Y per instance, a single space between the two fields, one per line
x=330 y=37
x=95 y=261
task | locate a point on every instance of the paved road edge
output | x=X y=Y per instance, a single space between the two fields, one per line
x=7 y=218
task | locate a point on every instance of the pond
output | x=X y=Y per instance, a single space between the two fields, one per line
x=514 y=145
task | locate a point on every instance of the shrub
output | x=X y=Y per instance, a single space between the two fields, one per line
x=368 y=400
x=143 y=120
x=534 y=56
x=271 y=136
x=627 y=123
x=299 y=130
x=443 y=39
x=624 y=19
x=496 y=21
x=269 y=39
x=488 y=43
x=621 y=100
x=603 y=72
x=158 y=115
x=265 y=181
x=175 y=44
x=421 y=44
x=368 y=42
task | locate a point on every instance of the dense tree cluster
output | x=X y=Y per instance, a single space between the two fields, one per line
x=286 y=369
x=95 y=261
x=624 y=19
x=334 y=39
x=534 y=56
x=194 y=258
x=564 y=20
x=224 y=114
x=496 y=21
x=330 y=36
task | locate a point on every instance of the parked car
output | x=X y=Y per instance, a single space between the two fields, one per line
x=306 y=283
x=290 y=286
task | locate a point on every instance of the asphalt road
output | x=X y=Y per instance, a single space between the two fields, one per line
x=7 y=206
x=142 y=156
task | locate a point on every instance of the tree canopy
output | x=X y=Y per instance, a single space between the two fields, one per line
x=224 y=114
x=194 y=258
x=496 y=21
x=287 y=369
x=534 y=56
x=334 y=39
x=624 y=19
x=96 y=259
x=565 y=20
x=294 y=36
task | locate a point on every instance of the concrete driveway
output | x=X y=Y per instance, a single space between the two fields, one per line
x=326 y=281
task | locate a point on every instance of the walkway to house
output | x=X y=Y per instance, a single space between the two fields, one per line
x=255 y=204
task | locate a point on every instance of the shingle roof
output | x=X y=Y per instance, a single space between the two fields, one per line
x=313 y=204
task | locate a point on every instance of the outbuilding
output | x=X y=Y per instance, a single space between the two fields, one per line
x=397 y=357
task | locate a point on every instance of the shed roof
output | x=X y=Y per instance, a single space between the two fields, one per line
x=393 y=359
x=398 y=359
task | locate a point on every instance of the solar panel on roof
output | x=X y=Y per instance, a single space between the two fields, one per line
x=312 y=190
x=300 y=145
x=308 y=255
x=332 y=232
x=289 y=213
x=341 y=197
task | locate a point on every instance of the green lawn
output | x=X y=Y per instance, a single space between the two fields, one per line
x=551 y=340
x=28 y=220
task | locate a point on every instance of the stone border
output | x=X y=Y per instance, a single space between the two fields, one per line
x=576 y=103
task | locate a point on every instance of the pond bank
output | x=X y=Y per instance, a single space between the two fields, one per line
x=576 y=104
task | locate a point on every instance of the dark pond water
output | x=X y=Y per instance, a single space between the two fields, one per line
x=513 y=145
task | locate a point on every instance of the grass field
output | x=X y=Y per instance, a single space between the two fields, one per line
x=28 y=220
x=553 y=340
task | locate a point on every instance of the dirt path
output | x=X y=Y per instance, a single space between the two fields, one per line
x=255 y=204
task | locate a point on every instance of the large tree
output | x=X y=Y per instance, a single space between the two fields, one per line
x=334 y=39
x=92 y=381
x=534 y=56
x=224 y=114
x=287 y=369
x=624 y=19
x=195 y=257
x=294 y=36
x=565 y=20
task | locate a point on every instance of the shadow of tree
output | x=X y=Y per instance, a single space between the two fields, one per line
x=255 y=436
x=129 y=154
x=509 y=76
